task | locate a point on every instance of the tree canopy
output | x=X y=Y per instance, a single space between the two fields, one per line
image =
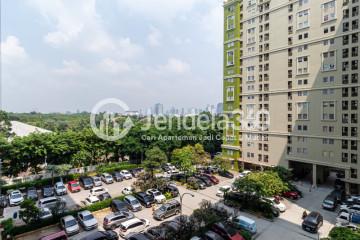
x=155 y=157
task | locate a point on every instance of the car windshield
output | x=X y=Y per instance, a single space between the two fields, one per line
x=134 y=202
x=70 y=223
x=88 y=217
x=329 y=202
x=96 y=179
x=163 y=208
x=61 y=187
x=108 y=176
x=16 y=195
x=87 y=181
x=125 y=172
x=156 y=193
x=74 y=185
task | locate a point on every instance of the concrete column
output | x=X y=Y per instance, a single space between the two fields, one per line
x=347 y=188
x=314 y=178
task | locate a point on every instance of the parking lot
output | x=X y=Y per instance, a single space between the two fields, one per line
x=287 y=226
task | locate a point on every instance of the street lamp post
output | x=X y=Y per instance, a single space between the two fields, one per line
x=181 y=199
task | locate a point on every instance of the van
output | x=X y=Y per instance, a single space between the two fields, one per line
x=167 y=210
x=51 y=202
x=55 y=236
x=245 y=223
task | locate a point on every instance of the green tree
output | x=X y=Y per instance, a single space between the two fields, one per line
x=184 y=158
x=29 y=212
x=343 y=233
x=284 y=173
x=154 y=158
x=223 y=163
x=266 y=184
x=5 y=124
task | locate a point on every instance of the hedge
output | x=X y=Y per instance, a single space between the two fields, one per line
x=112 y=167
x=54 y=220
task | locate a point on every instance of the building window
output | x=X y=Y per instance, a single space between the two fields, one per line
x=251 y=38
x=230 y=22
x=302 y=65
x=250 y=111
x=230 y=58
x=328 y=11
x=303 y=111
x=303 y=19
x=329 y=61
x=230 y=94
x=328 y=111
x=250 y=73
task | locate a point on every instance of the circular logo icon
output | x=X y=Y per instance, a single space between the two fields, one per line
x=109 y=127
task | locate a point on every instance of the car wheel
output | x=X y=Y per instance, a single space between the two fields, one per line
x=162 y=218
x=177 y=212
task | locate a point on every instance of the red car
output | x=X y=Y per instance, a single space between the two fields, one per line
x=292 y=195
x=212 y=178
x=74 y=186
x=226 y=232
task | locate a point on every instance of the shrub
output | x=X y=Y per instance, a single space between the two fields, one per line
x=168 y=195
x=8 y=226
x=112 y=167
x=245 y=234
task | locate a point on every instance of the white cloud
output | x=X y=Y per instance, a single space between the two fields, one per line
x=11 y=50
x=115 y=67
x=212 y=24
x=175 y=65
x=70 y=67
x=154 y=37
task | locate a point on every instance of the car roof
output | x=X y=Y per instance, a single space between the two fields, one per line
x=73 y=181
x=15 y=192
x=249 y=220
x=130 y=197
x=85 y=212
x=68 y=218
x=131 y=221
x=48 y=198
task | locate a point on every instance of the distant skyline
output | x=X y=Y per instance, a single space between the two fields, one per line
x=59 y=56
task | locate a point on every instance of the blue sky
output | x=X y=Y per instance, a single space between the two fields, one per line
x=65 y=55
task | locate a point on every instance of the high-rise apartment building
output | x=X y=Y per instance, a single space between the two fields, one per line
x=291 y=67
x=158 y=109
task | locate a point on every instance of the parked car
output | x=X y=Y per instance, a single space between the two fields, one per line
x=60 y=189
x=91 y=200
x=69 y=225
x=55 y=236
x=244 y=173
x=86 y=182
x=196 y=183
x=222 y=190
x=3 y=201
x=350 y=209
x=74 y=186
x=47 y=191
x=45 y=213
x=277 y=204
x=96 y=191
x=107 y=178
x=145 y=199
x=179 y=177
x=295 y=189
x=157 y=195
x=312 y=222
x=136 y=236
x=117 y=205
x=133 y=225
x=97 y=181
x=338 y=194
x=171 y=189
x=132 y=203
x=171 y=225
x=104 y=196
x=329 y=203
x=127 y=190
x=102 y=235
x=156 y=233
x=205 y=180
x=15 y=198
x=211 y=169
x=136 y=171
x=32 y=193
x=210 y=235
x=52 y=203
x=225 y=173
x=291 y=194
x=226 y=231
x=126 y=174
x=117 y=176
x=113 y=220
x=245 y=223
x=212 y=178
x=87 y=220
x=167 y=210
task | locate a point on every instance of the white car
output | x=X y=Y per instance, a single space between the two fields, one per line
x=277 y=204
x=126 y=174
x=91 y=200
x=343 y=218
x=97 y=181
x=222 y=190
x=350 y=209
x=158 y=196
x=87 y=220
x=96 y=191
x=69 y=225
x=133 y=225
x=15 y=198
x=244 y=173
x=60 y=189
x=45 y=213
x=107 y=178
x=127 y=190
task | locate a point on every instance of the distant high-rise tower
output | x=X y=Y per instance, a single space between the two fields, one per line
x=158 y=109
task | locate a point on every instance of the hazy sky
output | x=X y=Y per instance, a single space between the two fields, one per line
x=65 y=55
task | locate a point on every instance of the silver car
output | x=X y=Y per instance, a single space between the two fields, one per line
x=97 y=181
x=87 y=220
x=60 y=189
x=69 y=225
